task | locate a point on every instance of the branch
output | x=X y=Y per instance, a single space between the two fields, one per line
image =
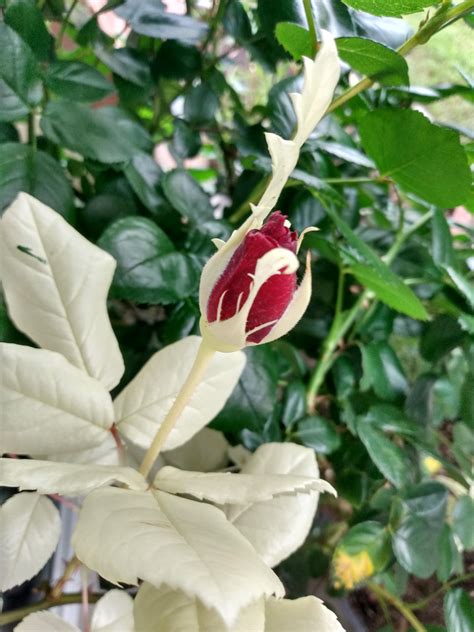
x=45 y=604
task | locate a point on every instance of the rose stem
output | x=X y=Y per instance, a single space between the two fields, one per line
x=203 y=357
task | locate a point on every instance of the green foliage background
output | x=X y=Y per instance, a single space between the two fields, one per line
x=378 y=377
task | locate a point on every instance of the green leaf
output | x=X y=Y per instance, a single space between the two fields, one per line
x=392 y=8
x=464 y=286
x=127 y=63
x=144 y=176
x=382 y=371
x=318 y=433
x=458 y=611
x=253 y=400
x=76 y=81
x=26 y=19
x=149 y=270
x=386 y=284
x=19 y=69
x=463 y=521
x=294 y=403
x=442 y=241
x=177 y=61
x=441 y=335
x=200 y=104
x=421 y=157
x=367 y=542
x=149 y=17
x=12 y=108
x=186 y=141
x=295 y=39
x=389 y=458
x=374 y=60
x=416 y=540
x=390 y=418
x=34 y=172
x=347 y=153
x=450 y=560
x=186 y=196
x=8 y=133
x=107 y=135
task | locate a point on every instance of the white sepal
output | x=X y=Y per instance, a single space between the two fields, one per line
x=56 y=284
x=143 y=404
x=68 y=479
x=44 y=621
x=205 y=452
x=113 y=613
x=188 y=545
x=29 y=528
x=49 y=405
x=236 y=489
x=307 y=614
x=278 y=527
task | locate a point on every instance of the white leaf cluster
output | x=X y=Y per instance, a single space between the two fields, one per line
x=204 y=565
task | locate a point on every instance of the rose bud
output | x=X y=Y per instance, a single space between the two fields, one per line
x=249 y=293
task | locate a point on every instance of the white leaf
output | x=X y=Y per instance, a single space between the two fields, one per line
x=56 y=285
x=113 y=613
x=49 y=405
x=142 y=405
x=68 y=479
x=165 y=539
x=30 y=527
x=278 y=527
x=205 y=452
x=238 y=489
x=44 y=622
x=166 y=610
x=104 y=453
x=307 y=614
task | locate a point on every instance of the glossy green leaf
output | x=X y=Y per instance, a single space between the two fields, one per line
x=200 y=104
x=374 y=60
x=458 y=611
x=107 y=135
x=144 y=174
x=150 y=17
x=383 y=371
x=368 y=539
x=34 y=172
x=440 y=336
x=26 y=19
x=463 y=521
x=19 y=69
x=294 y=403
x=295 y=39
x=462 y=284
x=186 y=196
x=389 y=458
x=12 y=108
x=421 y=157
x=416 y=540
x=389 y=7
x=318 y=433
x=442 y=241
x=127 y=63
x=186 y=141
x=390 y=287
x=76 y=81
x=149 y=270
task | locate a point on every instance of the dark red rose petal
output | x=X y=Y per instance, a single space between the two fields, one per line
x=273 y=297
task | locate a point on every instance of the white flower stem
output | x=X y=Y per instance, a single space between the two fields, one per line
x=203 y=357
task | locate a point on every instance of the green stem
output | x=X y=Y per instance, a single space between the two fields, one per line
x=440 y=19
x=417 y=605
x=32 y=130
x=203 y=358
x=311 y=24
x=215 y=21
x=343 y=321
x=20 y=613
x=382 y=593
x=66 y=22
x=379 y=179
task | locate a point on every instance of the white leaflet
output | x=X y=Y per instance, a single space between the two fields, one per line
x=168 y=610
x=236 y=489
x=103 y=454
x=56 y=285
x=30 y=527
x=68 y=479
x=205 y=452
x=278 y=527
x=187 y=545
x=45 y=622
x=142 y=405
x=307 y=614
x=113 y=613
x=48 y=405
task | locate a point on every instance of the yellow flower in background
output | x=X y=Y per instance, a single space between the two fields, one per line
x=350 y=570
x=432 y=465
